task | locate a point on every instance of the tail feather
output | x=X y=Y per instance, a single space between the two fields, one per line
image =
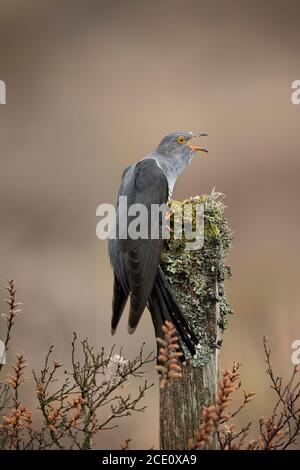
x=118 y=304
x=159 y=313
x=178 y=314
x=163 y=306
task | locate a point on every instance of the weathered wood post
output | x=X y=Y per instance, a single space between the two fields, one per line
x=197 y=278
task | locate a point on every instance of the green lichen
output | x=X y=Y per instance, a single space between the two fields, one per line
x=194 y=274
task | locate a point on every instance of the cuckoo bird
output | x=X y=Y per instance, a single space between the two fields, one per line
x=135 y=262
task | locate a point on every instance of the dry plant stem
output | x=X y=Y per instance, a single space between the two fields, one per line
x=19 y=416
x=277 y=432
x=205 y=431
x=75 y=405
x=216 y=419
x=13 y=310
x=168 y=362
x=15 y=381
x=79 y=419
x=229 y=384
x=282 y=428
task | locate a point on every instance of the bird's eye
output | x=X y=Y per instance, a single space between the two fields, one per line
x=181 y=139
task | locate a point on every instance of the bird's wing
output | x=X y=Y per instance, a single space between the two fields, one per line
x=148 y=186
x=117 y=259
x=118 y=304
x=136 y=262
x=121 y=289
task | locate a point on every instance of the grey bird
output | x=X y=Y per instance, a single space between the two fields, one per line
x=137 y=273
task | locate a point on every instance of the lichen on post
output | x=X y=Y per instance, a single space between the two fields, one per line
x=197 y=279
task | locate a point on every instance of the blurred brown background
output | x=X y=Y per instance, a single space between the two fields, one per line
x=93 y=86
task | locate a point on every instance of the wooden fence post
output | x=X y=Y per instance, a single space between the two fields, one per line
x=197 y=279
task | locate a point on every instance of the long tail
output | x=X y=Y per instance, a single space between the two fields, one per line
x=163 y=306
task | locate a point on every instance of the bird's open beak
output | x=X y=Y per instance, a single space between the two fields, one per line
x=195 y=148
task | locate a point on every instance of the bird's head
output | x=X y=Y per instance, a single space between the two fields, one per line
x=180 y=144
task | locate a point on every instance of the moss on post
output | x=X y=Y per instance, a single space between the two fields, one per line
x=197 y=279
